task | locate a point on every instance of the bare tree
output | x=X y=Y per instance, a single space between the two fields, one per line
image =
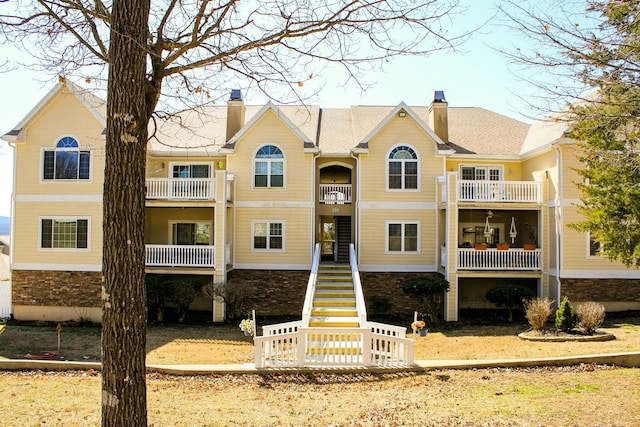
x=173 y=54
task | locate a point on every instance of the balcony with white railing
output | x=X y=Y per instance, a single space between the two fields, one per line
x=495 y=259
x=180 y=256
x=180 y=188
x=499 y=191
x=335 y=194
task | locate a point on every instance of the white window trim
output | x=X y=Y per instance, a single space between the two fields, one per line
x=284 y=169
x=268 y=222
x=487 y=168
x=401 y=252
x=67 y=217
x=596 y=256
x=172 y=222
x=172 y=164
x=55 y=148
x=386 y=171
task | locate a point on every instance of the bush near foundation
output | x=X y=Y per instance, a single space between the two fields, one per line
x=590 y=316
x=538 y=312
x=565 y=316
x=509 y=296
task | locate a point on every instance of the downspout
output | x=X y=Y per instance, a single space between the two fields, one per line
x=357 y=208
x=558 y=216
x=13 y=211
x=313 y=202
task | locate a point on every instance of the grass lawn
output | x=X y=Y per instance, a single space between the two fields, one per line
x=565 y=396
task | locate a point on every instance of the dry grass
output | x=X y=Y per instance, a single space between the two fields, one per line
x=188 y=344
x=571 y=396
x=490 y=397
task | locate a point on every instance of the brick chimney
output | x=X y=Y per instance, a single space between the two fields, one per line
x=235 y=113
x=438 y=120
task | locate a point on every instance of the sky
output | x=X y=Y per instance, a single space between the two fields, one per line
x=476 y=76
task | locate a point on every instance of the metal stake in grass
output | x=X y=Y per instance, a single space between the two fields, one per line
x=59 y=330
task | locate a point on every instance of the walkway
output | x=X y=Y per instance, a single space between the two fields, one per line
x=629 y=360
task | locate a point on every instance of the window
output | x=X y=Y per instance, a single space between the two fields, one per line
x=481 y=173
x=269 y=167
x=64 y=233
x=188 y=233
x=402 y=237
x=403 y=168
x=595 y=246
x=191 y=171
x=66 y=162
x=268 y=235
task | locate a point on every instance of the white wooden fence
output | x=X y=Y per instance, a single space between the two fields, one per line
x=291 y=345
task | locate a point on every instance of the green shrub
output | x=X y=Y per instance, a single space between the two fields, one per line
x=538 y=312
x=430 y=291
x=590 y=316
x=380 y=305
x=565 y=316
x=509 y=297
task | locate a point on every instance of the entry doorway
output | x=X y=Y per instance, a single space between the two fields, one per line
x=328 y=238
x=335 y=237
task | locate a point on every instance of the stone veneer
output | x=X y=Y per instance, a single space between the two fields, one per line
x=57 y=288
x=272 y=292
x=281 y=293
x=619 y=290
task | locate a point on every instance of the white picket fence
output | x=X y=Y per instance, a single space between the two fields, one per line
x=291 y=345
x=5 y=299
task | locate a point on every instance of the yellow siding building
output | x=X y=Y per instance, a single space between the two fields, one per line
x=239 y=196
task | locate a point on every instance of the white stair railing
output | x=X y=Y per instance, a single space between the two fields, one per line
x=311 y=286
x=357 y=286
x=295 y=344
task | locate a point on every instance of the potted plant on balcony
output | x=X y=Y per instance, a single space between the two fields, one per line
x=502 y=246
x=533 y=240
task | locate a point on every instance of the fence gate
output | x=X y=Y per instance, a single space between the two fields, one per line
x=5 y=299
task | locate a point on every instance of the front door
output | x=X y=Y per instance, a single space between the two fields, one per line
x=327 y=238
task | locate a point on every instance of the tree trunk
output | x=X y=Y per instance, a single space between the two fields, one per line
x=124 y=302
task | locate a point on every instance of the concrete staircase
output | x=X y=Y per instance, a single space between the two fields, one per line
x=334 y=302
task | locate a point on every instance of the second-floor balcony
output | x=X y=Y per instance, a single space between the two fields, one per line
x=180 y=188
x=499 y=191
x=495 y=259
x=180 y=256
x=335 y=194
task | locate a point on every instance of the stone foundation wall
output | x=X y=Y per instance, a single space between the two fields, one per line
x=619 y=290
x=388 y=287
x=271 y=292
x=57 y=288
x=281 y=293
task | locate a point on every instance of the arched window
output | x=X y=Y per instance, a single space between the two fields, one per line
x=66 y=161
x=269 y=167
x=403 y=168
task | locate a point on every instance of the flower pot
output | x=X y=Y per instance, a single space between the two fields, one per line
x=481 y=246
x=529 y=246
x=246 y=333
x=502 y=246
x=423 y=332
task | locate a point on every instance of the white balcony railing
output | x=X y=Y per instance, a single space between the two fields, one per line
x=180 y=256
x=493 y=259
x=181 y=188
x=499 y=191
x=335 y=194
